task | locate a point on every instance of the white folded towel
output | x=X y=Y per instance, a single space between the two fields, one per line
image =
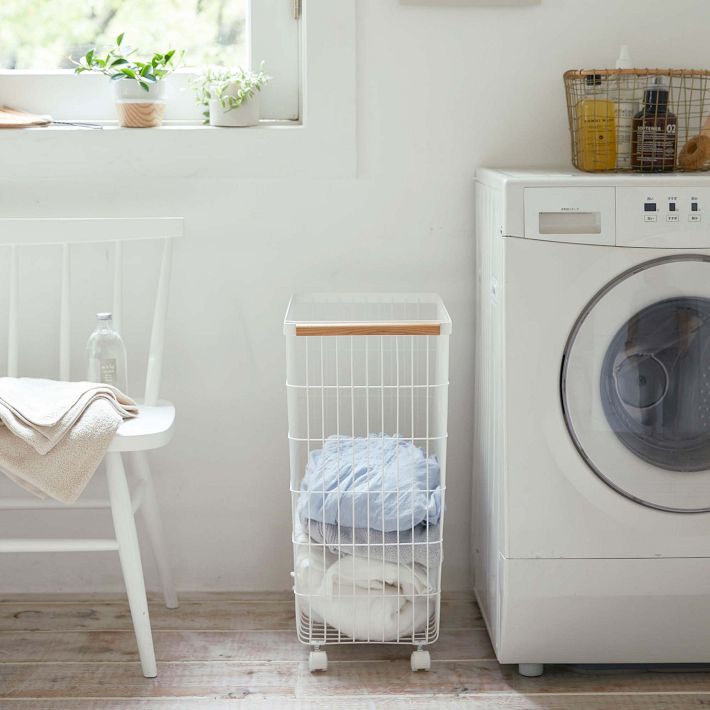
x=366 y=600
x=55 y=434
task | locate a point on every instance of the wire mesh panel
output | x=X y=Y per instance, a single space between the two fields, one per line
x=367 y=391
x=641 y=120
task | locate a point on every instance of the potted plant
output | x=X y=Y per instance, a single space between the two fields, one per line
x=230 y=96
x=138 y=86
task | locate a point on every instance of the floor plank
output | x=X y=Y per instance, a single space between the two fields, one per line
x=223 y=596
x=191 y=615
x=473 y=702
x=124 y=680
x=230 y=680
x=37 y=616
x=461 y=678
x=120 y=646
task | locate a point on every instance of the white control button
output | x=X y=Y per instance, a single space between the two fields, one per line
x=671 y=217
x=649 y=218
x=694 y=217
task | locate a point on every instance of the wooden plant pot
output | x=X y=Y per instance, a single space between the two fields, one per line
x=137 y=108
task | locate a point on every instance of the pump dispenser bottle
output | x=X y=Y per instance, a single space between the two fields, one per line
x=654 y=131
x=596 y=127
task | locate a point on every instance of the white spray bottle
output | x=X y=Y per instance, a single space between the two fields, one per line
x=625 y=108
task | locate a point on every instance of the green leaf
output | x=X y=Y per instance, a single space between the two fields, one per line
x=144 y=86
x=119 y=39
x=89 y=57
x=117 y=76
x=128 y=72
x=169 y=55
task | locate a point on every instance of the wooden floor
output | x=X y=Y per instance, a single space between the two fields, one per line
x=239 y=651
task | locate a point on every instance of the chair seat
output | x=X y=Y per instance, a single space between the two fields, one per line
x=151 y=429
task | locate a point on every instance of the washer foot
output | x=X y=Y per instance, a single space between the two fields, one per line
x=531 y=670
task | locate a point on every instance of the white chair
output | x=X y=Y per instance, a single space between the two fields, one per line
x=152 y=429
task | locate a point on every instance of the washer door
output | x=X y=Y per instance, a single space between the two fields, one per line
x=636 y=383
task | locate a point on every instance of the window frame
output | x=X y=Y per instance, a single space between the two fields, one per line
x=323 y=143
x=273 y=36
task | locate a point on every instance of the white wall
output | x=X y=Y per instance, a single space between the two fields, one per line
x=441 y=91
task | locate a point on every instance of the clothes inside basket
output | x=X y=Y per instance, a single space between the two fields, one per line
x=363 y=599
x=422 y=544
x=379 y=482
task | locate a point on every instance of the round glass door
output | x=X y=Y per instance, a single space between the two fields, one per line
x=636 y=383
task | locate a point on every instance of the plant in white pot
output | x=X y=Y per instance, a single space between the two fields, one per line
x=230 y=96
x=138 y=86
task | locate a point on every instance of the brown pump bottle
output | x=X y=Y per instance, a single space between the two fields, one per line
x=654 y=136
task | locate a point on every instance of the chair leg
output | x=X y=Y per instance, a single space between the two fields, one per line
x=154 y=527
x=130 y=557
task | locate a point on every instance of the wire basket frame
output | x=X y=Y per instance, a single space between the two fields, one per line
x=639 y=120
x=367 y=389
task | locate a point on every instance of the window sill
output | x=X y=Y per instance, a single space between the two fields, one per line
x=283 y=149
x=81 y=125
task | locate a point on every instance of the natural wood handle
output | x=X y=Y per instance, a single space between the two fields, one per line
x=370 y=329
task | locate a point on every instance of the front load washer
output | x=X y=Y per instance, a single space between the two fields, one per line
x=591 y=518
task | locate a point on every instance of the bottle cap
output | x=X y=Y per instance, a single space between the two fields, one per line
x=624 y=59
x=104 y=316
x=657 y=92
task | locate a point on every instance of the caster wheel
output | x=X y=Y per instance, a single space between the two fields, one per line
x=317 y=661
x=420 y=660
x=531 y=670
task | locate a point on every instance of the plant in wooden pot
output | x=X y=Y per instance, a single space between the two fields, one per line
x=138 y=85
x=230 y=96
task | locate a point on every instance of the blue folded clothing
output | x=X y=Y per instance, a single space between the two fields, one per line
x=379 y=482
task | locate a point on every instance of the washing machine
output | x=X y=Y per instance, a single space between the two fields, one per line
x=591 y=515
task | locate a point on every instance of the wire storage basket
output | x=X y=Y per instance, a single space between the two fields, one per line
x=639 y=120
x=367 y=385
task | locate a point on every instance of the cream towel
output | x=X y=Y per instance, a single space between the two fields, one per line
x=55 y=434
x=366 y=600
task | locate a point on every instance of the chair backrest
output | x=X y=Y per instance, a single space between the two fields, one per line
x=63 y=233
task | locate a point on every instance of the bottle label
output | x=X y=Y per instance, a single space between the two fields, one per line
x=656 y=144
x=108 y=371
x=596 y=141
x=624 y=114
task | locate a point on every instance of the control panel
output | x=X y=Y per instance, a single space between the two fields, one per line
x=582 y=215
x=663 y=217
x=655 y=215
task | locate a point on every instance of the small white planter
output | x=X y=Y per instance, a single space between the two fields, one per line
x=246 y=114
x=136 y=107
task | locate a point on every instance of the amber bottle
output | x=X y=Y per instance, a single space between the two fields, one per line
x=654 y=137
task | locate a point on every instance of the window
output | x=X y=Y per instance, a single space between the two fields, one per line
x=321 y=48
x=38 y=38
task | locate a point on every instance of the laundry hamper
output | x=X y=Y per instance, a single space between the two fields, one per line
x=367 y=384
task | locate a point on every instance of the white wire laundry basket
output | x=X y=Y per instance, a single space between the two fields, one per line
x=367 y=383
